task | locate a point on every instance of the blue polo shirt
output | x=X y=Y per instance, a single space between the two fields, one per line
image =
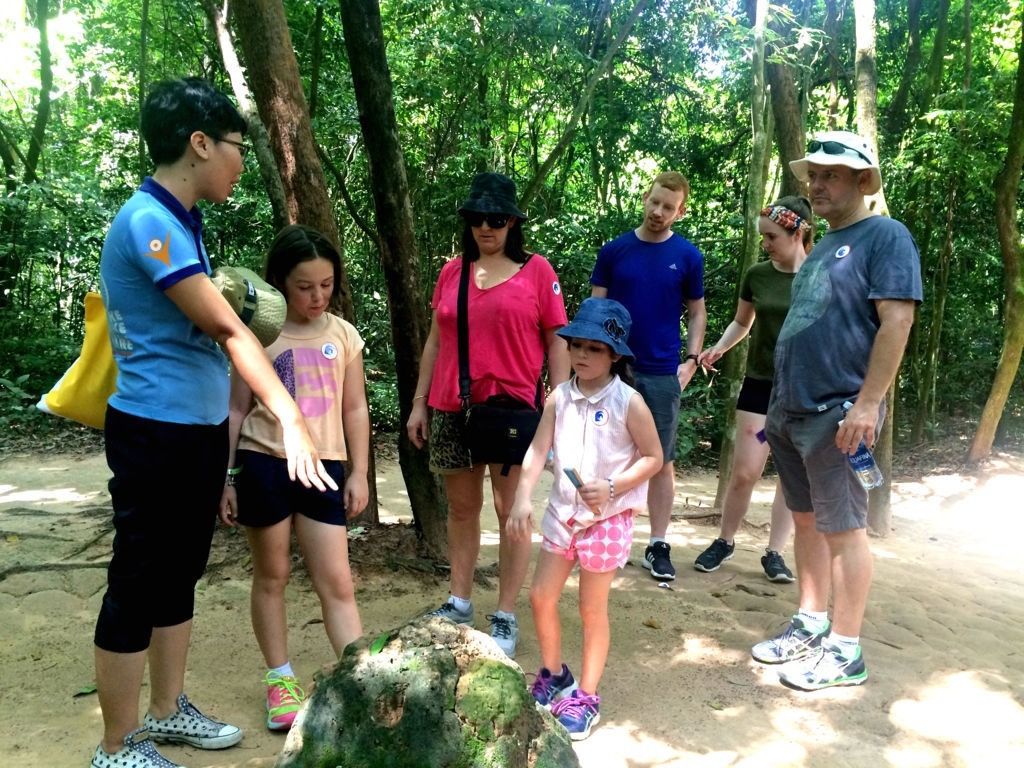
x=168 y=369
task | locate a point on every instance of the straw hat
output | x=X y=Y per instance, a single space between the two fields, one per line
x=260 y=305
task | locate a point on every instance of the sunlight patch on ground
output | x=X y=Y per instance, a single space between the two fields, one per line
x=983 y=517
x=802 y=725
x=963 y=721
x=608 y=742
x=9 y=494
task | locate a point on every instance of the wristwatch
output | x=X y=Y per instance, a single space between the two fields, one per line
x=692 y=357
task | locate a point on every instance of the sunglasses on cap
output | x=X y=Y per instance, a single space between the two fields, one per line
x=494 y=220
x=836 y=148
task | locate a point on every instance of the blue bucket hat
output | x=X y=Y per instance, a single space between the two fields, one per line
x=601 y=320
x=492 y=193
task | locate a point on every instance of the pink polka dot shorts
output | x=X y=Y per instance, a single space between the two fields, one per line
x=602 y=547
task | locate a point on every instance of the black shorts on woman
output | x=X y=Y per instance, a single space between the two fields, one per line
x=165 y=490
x=754 y=395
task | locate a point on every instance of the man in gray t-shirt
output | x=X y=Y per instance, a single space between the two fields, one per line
x=852 y=309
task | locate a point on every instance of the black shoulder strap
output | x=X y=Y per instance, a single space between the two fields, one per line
x=462 y=321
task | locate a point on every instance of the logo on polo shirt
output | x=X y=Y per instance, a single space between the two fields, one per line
x=160 y=249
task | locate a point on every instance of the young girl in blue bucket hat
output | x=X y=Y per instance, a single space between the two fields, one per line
x=605 y=449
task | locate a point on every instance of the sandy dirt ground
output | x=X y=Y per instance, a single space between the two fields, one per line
x=943 y=636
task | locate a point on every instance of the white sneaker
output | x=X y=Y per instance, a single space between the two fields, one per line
x=505 y=631
x=138 y=752
x=190 y=726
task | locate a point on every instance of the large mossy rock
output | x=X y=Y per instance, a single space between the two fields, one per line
x=431 y=694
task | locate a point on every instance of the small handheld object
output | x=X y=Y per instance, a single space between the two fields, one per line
x=574 y=477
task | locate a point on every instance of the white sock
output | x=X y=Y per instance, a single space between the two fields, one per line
x=847 y=646
x=815 y=621
x=506 y=616
x=285 y=670
x=657 y=540
x=460 y=602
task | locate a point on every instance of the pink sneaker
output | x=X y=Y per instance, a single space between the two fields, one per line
x=284 y=697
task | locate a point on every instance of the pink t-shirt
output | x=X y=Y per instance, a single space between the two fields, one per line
x=506 y=333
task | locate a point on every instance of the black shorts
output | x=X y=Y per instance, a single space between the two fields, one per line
x=266 y=495
x=754 y=395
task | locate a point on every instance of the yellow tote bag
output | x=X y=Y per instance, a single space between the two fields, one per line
x=82 y=392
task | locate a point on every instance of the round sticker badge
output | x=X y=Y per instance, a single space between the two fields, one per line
x=329 y=351
x=600 y=417
x=842 y=252
x=556 y=288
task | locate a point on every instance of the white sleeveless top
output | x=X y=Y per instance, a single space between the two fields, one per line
x=590 y=437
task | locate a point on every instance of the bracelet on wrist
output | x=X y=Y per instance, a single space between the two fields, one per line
x=230 y=478
x=419 y=397
x=611 y=488
x=696 y=360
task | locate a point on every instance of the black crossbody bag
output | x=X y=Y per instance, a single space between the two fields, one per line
x=498 y=430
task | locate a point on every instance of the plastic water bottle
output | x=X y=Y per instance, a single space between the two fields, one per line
x=863 y=462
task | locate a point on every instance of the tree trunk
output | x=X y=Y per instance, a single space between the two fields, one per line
x=216 y=12
x=1007 y=186
x=896 y=114
x=788 y=109
x=789 y=125
x=371 y=78
x=880 y=500
x=735 y=363
x=262 y=32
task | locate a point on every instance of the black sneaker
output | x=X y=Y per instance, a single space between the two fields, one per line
x=657 y=560
x=775 y=567
x=711 y=558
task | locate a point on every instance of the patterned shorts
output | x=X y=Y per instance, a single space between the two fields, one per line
x=447 y=452
x=602 y=547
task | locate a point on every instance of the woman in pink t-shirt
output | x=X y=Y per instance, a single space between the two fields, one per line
x=515 y=306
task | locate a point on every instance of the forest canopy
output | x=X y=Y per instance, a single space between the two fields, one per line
x=498 y=85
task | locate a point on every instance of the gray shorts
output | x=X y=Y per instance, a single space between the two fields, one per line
x=815 y=475
x=661 y=393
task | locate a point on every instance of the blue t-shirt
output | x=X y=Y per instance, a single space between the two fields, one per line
x=653 y=281
x=168 y=369
x=821 y=356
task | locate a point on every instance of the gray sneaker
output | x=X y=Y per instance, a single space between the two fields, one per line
x=505 y=631
x=795 y=643
x=449 y=611
x=138 y=752
x=190 y=726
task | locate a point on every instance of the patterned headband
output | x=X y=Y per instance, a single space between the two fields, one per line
x=785 y=218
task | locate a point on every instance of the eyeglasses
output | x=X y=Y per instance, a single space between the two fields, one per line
x=494 y=220
x=835 y=148
x=243 y=149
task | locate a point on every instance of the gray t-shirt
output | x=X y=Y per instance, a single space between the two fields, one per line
x=821 y=356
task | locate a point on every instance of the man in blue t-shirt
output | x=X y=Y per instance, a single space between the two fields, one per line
x=658 y=274
x=852 y=309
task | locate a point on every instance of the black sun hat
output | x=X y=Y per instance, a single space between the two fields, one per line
x=492 y=193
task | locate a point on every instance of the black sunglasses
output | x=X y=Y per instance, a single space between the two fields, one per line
x=494 y=220
x=836 y=148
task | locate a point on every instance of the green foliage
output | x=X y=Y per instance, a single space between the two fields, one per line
x=492 y=85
